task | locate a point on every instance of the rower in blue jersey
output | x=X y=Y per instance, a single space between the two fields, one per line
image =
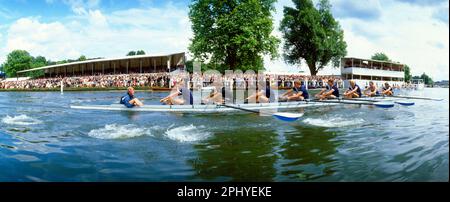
x=264 y=94
x=297 y=93
x=387 y=90
x=372 y=90
x=354 y=91
x=129 y=100
x=330 y=92
x=181 y=89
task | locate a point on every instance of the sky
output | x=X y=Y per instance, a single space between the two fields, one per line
x=412 y=32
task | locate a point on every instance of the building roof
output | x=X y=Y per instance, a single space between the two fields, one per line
x=370 y=60
x=101 y=60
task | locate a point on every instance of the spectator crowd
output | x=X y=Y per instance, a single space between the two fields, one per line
x=165 y=80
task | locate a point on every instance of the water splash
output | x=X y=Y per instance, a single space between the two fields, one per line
x=20 y=120
x=188 y=133
x=114 y=131
x=333 y=122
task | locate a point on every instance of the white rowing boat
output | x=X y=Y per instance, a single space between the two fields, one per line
x=204 y=108
x=386 y=103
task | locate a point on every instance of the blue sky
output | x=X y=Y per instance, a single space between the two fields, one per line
x=414 y=32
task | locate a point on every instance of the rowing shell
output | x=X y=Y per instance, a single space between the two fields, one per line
x=234 y=107
x=203 y=108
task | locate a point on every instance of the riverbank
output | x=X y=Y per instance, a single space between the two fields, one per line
x=84 y=89
x=138 y=88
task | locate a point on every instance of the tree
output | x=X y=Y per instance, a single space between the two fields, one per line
x=140 y=52
x=62 y=62
x=407 y=73
x=36 y=62
x=381 y=57
x=233 y=34
x=313 y=35
x=17 y=60
x=82 y=58
x=131 y=53
x=426 y=79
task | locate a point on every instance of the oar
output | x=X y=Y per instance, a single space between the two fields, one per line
x=378 y=104
x=284 y=116
x=400 y=102
x=418 y=98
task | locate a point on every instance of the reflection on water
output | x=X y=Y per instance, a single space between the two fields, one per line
x=308 y=153
x=246 y=155
x=303 y=153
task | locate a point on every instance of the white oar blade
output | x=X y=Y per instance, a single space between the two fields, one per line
x=384 y=104
x=404 y=103
x=284 y=116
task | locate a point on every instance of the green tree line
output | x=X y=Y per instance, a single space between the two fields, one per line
x=426 y=79
x=19 y=60
x=139 y=52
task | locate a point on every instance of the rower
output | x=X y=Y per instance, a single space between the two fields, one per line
x=387 y=90
x=330 y=92
x=216 y=96
x=182 y=89
x=129 y=100
x=265 y=94
x=297 y=93
x=371 y=90
x=354 y=91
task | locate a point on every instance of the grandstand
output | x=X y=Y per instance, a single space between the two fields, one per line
x=113 y=66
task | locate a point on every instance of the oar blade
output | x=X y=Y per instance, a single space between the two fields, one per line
x=289 y=117
x=404 y=103
x=384 y=104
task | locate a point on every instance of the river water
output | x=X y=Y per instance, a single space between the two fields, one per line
x=42 y=139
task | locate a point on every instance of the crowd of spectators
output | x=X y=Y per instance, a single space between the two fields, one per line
x=165 y=80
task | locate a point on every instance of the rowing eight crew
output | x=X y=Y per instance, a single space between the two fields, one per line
x=264 y=94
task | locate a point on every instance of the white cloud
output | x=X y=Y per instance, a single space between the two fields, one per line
x=47 y=39
x=81 y=7
x=1 y=45
x=96 y=34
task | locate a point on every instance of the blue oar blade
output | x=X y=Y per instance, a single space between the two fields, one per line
x=404 y=103
x=384 y=104
x=289 y=117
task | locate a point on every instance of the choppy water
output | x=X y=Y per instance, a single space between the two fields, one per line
x=42 y=139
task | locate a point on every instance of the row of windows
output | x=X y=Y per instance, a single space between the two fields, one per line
x=373 y=78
